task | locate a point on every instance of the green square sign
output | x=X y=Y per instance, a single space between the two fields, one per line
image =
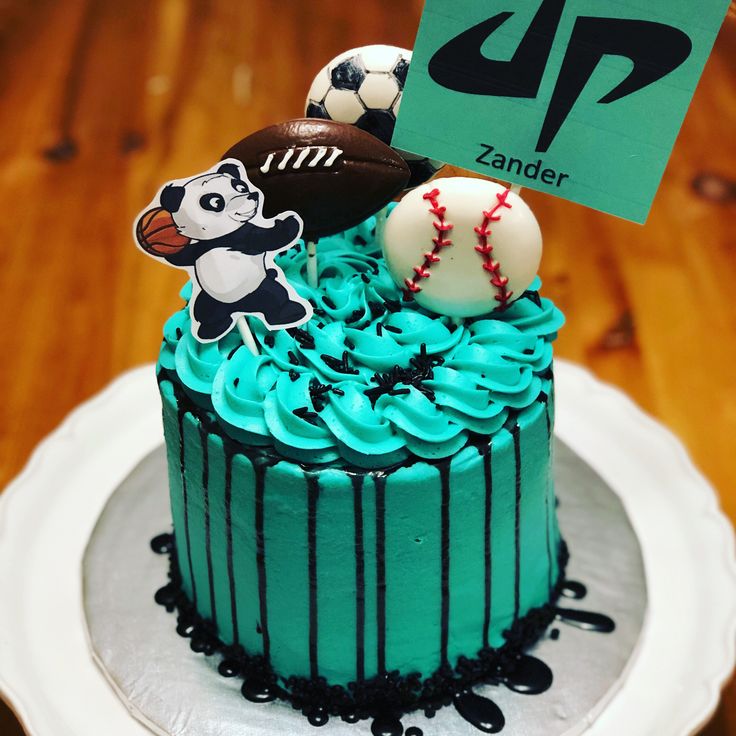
x=579 y=98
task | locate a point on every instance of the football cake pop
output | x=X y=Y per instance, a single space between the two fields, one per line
x=363 y=87
x=462 y=247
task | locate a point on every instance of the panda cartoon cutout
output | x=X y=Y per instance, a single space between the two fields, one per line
x=212 y=226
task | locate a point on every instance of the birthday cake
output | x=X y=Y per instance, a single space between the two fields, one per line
x=360 y=474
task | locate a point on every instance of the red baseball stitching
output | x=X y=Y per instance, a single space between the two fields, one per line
x=485 y=249
x=442 y=227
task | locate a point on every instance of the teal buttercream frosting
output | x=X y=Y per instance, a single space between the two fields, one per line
x=371 y=379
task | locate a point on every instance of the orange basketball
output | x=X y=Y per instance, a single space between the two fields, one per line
x=157 y=234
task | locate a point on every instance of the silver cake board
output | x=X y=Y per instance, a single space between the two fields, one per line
x=176 y=692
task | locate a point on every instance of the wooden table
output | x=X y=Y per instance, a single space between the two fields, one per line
x=101 y=101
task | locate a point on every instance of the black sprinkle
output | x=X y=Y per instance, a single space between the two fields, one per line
x=236 y=382
x=349 y=344
x=393 y=329
x=377 y=309
x=393 y=305
x=328 y=302
x=269 y=340
x=340 y=366
x=179 y=333
x=365 y=277
x=317 y=392
x=292 y=358
x=304 y=339
x=354 y=316
x=294 y=375
x=379 y=329
x=233 y=351
x=554 y=634
x=338 y=392
x=303 y=412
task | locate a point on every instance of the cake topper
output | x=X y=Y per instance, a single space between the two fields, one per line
x=334 y=175
x=212 y=225
x=462 y=247
x=558 y=96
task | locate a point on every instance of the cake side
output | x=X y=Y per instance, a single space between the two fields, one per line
x=346 y=574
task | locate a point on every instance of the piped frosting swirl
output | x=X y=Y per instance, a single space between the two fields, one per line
x=371 y=379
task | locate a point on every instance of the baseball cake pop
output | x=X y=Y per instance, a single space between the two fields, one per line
x=462 y=247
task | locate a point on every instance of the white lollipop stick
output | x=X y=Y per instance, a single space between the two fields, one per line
x=312 y=274
x=246 y=335
x=381 y=217
x=515 y=188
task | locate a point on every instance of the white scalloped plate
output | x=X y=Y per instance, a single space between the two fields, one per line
x=47 y=514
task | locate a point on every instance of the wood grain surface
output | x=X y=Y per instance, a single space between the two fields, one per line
x=102 y=100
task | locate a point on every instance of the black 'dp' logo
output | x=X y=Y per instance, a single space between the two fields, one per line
x=654 y=48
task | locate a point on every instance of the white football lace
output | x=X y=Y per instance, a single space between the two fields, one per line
x=324 y=156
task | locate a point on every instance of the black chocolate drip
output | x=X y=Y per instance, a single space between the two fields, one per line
x=259 y=468
x=257 y=692
x=413 y=731
x=574 y=589
x=588 y=620
x=387 y=725
x=546 y=497
x=318 y=717
x=479 y=711
x=312 y=497
x=185 y=499
x=528 y=675
x=229 y=543
x=229 y=668
x=163 y=544
x=515 y=432
x=380 y=484
x=487 y=454
x=357 y=481
x=444 y=469
x=207 y=520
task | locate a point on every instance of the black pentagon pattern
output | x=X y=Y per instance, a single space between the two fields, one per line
x=349 y=74
x=400 y=71
x=379 y=123
x=420 y=171
x=317 y=110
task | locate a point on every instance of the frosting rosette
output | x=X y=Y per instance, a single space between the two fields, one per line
x=372 y=379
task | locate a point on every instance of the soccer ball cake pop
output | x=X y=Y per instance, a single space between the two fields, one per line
x=462 y=247
x=363 y=87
